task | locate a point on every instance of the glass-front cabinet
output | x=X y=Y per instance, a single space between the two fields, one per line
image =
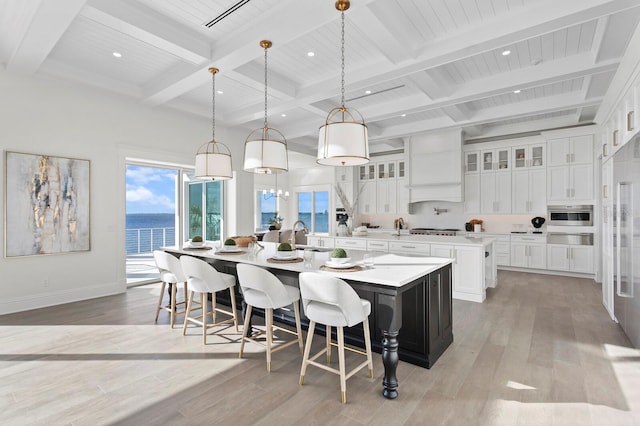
x=471 y=162
x=496 y=160
x=367 y=172
x=528 y=156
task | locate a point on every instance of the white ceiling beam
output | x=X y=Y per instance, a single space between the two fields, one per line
x=524 y=127
x=598 y=37
x=458 y=112
x=49 y=23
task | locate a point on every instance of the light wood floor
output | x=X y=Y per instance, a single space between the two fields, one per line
x=541 y=350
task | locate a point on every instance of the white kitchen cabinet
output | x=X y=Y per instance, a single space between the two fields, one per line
x=347 y=189
x=570 y=173
x=318 y=241
x=410 y=247
x=495 y=192
x=528 y=156
x=529 y=252
x=367 y=202
x=354 y=243
x=387 y=196
x=472 y=193
x=367 y=172
x=467 y=283
x=403 y=194
x=529 y=191
x=607 y=236
x=501 y=248
x=496 y=159
x=344 y=174
x=377 y=245
x=472 y=162
x=571 y=258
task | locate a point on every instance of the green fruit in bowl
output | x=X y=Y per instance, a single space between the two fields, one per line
x=285 y=247
x=338 y=253
x=196 y=239
x=229 y=242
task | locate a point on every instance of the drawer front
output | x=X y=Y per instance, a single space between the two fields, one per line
x=378 y=245
x=528 y=239
x=351 y=243
x=410 y=247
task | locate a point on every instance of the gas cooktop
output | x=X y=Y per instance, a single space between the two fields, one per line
x=434 y=231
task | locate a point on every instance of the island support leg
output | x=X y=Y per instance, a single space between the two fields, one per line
x=390 y=320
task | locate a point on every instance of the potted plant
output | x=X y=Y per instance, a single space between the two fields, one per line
x=275 y=222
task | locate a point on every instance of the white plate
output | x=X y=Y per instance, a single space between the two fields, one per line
x=285 y=255
x=339 y=265
x=226 y=250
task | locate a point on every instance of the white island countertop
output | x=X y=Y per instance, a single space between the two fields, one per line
x=388 y=269
x=462 y=240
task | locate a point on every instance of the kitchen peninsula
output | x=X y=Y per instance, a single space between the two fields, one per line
x=411 y=318
x=474 y=263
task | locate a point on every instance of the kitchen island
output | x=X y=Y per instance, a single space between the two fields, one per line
x=474 y=262
x=411 y=318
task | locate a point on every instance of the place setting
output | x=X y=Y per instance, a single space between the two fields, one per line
x=196 y=243
x=285 y=254
x=340 y=262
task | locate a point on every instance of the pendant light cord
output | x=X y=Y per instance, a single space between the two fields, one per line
x=342 y=60
x=213 y=107
x=265 y=88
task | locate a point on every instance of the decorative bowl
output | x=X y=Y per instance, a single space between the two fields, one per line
x=340 y=259
x=245 y=240
x=286 y=254
x=229 y=248
x=196 y=243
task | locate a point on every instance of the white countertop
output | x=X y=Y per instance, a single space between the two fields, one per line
x=388 y=269
x=461 y=240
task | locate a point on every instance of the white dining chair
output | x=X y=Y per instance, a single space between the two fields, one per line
x=272 y=236
x=331 y=301
x=171 y=274
x=262 y=289
x=203 y=278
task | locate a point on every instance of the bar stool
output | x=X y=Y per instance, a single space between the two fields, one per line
x=262 y=289
x=204 y=278
x=170 y=273
x=330 y=301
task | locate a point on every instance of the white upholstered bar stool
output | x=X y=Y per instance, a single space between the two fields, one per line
x=330 y=301
x=272 y=236
x=203 y=279
x=262 y=289
x=170 y=273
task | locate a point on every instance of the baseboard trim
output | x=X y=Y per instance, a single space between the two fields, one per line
x=43 y=300
x=548 y=272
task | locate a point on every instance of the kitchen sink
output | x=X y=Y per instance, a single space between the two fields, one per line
x=312 y=248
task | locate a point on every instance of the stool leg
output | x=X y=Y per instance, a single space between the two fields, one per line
x=328 y=331
x=367 y=344
x=296 y=311
x=187 y=313
x=233 y=307
x=174 y=291
x=307 y=350
x=213 y=307
x=160 y=300
x=343 y=380
x=203 y=299
x=245 y=328
x=269 y=319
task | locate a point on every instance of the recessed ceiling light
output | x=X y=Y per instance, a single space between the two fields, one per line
x=283 y=115
x=219 y=92
x=516 y=91
x=367 y=92
x=311 y=54
x=117 y=54
x=506 y=52
x=403 y=115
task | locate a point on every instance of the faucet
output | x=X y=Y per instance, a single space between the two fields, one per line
x=293 y=232
x=398 y=224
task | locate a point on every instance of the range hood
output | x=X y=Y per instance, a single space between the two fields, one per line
x=436 y=167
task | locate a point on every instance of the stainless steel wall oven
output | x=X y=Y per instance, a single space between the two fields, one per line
x=570 y=215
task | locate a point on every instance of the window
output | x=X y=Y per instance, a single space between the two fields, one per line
x=205 y=210
x=267 y=210
x=313 y=210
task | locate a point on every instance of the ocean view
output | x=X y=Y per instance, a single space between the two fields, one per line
x=146 y=232
x=322 y=220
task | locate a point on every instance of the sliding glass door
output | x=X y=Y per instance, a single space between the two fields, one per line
x=204 y=210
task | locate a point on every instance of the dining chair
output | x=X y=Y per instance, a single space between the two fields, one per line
x=331 y=301
x=262 y=289
x=203 y=278
x=272 y=236
x=171 y=273
x=285 y=236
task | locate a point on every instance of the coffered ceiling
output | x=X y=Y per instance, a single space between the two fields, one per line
x=412 y=66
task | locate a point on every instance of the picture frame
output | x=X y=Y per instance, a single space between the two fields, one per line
x=47 y=204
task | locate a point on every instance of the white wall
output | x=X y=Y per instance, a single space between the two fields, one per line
x=42 y=117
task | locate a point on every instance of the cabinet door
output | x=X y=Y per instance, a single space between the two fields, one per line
x=558 y=183
x=582 y=182
x=582 y=149
x=367 y=200
x=520 y=157
x=344 y=174
x=503 y=193
x=472 y=193
x=472 y=162
x=537 y=156
x=519 y=255
x=582 y=259
x=327 y=242
x=558 y=257
x=520 y=191
x=488 y=193
x=403 y=196
x=386 y=196
x=538 y=256
x=468 y=270
x=558 y=152
x=537 y=191
x=442 y=250
x=488 y=161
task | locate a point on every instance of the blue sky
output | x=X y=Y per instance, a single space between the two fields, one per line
x=150 y=190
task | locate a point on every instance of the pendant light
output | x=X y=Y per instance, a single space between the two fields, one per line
x=342 y=140
x=265 y=150
x=213 y=159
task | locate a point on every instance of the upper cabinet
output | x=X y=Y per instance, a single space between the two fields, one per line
x=570 y=173
x=528 y=156
x=472 y=161
x=383 y=187
x=496 y=160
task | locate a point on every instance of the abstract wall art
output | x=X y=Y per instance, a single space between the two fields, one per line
x=46 y=204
